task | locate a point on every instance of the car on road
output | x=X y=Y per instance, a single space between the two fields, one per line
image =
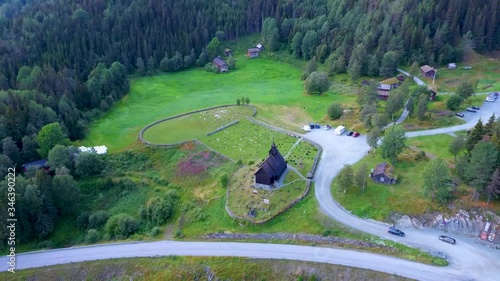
x=470 y=109
x=350 y=133
x=447 y=239
x=475 y=107
x=317 y=126
x=459 y=114
x=355 y=135
x=306 y=128
x=395 y=231
x=327 y=127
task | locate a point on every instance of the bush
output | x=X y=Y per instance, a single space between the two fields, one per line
x=47 y=244
x=155 y=231
x=199 y=215
x=92 y=236
x=326 y=232
x=317 y=83
x=454 y=102
x=98 y=219
x=335 y=111
x=82 y=221
x=159 y=210
x=223 y=180
x=121 y=226
x=179 y=234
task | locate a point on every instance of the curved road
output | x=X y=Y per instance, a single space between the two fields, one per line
x=468 y=260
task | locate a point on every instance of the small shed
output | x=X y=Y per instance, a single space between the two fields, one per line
x=38 y=164
x=452 y=65
x=383 y=173
x=427 y=71
x=253 y=52
x=228 y=52
x=220 y=64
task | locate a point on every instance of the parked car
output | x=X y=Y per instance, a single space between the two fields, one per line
x=327 y=127
x=350 y=133
x=475 y=107
x=311 y=125
x=317 y=126
x=355 y=135
x=395 y=231
x=306 y=128
x=447 y=239
x=489 y=99
x=459 y=114
x=470 y=109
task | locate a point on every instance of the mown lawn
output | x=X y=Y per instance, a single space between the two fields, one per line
x=264 y=81
x=437 y=145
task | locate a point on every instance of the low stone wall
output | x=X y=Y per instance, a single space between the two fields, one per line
x=223 y=127
x=141 y=133
x=295 y=201
x=290 y=236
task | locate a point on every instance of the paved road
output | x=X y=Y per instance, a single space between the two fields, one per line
x=252 y=250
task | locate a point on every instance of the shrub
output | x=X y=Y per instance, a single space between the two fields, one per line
x=82 y=221
x=155 y=231
x=46 y=244
x=454 y=102
x=223 y=180
x=159 y=210
x=199 y=215
x=251 y=162
x=326 y=232
x=179 y=234
x=121 y=226
x=98 y=219
x=92 y=236
x=335 y=111
x=317 y=83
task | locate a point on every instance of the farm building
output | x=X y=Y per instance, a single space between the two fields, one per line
x=272 y=168
x=383 y=174
x=38 y=164
x=253 y=52
x=427 y=71
x=220 y=64
x=228 y=52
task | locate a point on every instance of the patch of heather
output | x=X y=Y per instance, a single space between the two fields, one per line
x=199 y=162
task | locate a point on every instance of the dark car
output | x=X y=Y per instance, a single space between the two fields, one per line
x=350 y=133
x=475 y=107
x=396 y=231
x=317 y=126
x=447 y=239
x=355 y=135
x=470 y=109
x=459 y=114
x=311 y=125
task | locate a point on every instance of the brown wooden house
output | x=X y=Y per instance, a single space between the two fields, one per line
x=220 y=64
x=272 y=168
x=253 y=52
x=427 y=71
x=383 y=174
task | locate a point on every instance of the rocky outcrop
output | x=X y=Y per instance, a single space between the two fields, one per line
x=467 y=223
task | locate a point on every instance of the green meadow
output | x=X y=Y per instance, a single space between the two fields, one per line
x=275 y=86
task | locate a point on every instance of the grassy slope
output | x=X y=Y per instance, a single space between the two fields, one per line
x=268 y=83
x=193 y=268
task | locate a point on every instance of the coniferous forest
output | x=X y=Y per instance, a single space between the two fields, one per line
x=68 y=61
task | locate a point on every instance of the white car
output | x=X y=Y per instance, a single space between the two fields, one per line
x=306 y=128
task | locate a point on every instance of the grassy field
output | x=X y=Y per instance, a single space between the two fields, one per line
x=436 y=145
x=484 y=70
x=198 y=268
x=266 y=82
x=195 y=125
x=380 y=200
x=242 y=198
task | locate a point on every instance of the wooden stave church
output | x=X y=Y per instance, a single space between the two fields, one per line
x=272 y=168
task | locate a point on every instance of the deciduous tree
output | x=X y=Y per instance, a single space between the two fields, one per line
x=317 y=83
x=393 y=143
x=346 y=178
x=361 y=176
x=48 y=136
x=436 y=175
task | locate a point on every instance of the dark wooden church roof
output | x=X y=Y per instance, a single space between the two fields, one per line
x=274 y=165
